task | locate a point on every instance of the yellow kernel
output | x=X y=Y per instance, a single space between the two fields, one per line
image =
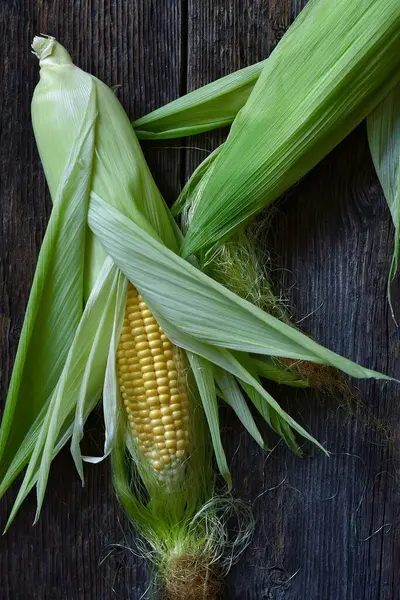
x=156 y=423
x=170 y=444
x=158 y=430
x=161 y=381
x=153 y=328
x=147 y=359
x=163 y=451
x=142 y=346
x=153 y=400
x=150 y=385
x=170 y=435
x=162 y=389
x=159 y=365
x=135 y=320
x=168 y=354
x=169 y=427
x=155 y=414
x=157 y=465
x=133 y=360
x=180 y=435
x=139 y=339
x=147 y=369
x=155 y=344
x=165 y=410
x=164 y=399
x=136 y=384
x=166 y=458
x=173 y=384
x=153 y=336
x=175 y=405
x=150 y=376
x=144 y=353
x=137 y=329
x=125 y=337
x=180 y=444
x=172 y=374
x=167 y=344
x=161 y=373
x=180 y=453
x=148 y=318
x=167 y=419
x=130 y=353
x=163 y=336
x=170 y=365
x=133 y=375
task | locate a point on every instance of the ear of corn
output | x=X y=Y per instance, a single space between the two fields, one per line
x=303 y=104
x=132 y=342
x=134 y=239
x=384 y=141
x=152 y=377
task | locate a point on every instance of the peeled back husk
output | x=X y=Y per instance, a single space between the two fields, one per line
x=334 y=65
x=383 y=126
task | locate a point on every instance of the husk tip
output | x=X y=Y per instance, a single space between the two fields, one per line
x=42 y=46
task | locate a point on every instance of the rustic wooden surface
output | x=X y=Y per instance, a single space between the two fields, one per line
x=326 y=528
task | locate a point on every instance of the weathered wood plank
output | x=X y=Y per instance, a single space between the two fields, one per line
x=331 y=240
x=136 y=46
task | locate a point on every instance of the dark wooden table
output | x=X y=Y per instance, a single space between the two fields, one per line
x=327 y=527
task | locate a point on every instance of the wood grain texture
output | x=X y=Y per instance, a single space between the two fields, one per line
x=326 y=528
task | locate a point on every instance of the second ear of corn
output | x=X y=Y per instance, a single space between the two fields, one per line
x=332 y=68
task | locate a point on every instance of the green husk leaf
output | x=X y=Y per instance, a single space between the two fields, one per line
x=75 y=380
x=204 y=376
x=56 y=300
x=210 y=107
x=92 y=347
x=198 y=305
x=232 y=395
x=303 y=104
x=278 y=372
x=383 y=126
x=111 y=393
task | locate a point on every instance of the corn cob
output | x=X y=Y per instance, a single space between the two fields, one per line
x=152 y=381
